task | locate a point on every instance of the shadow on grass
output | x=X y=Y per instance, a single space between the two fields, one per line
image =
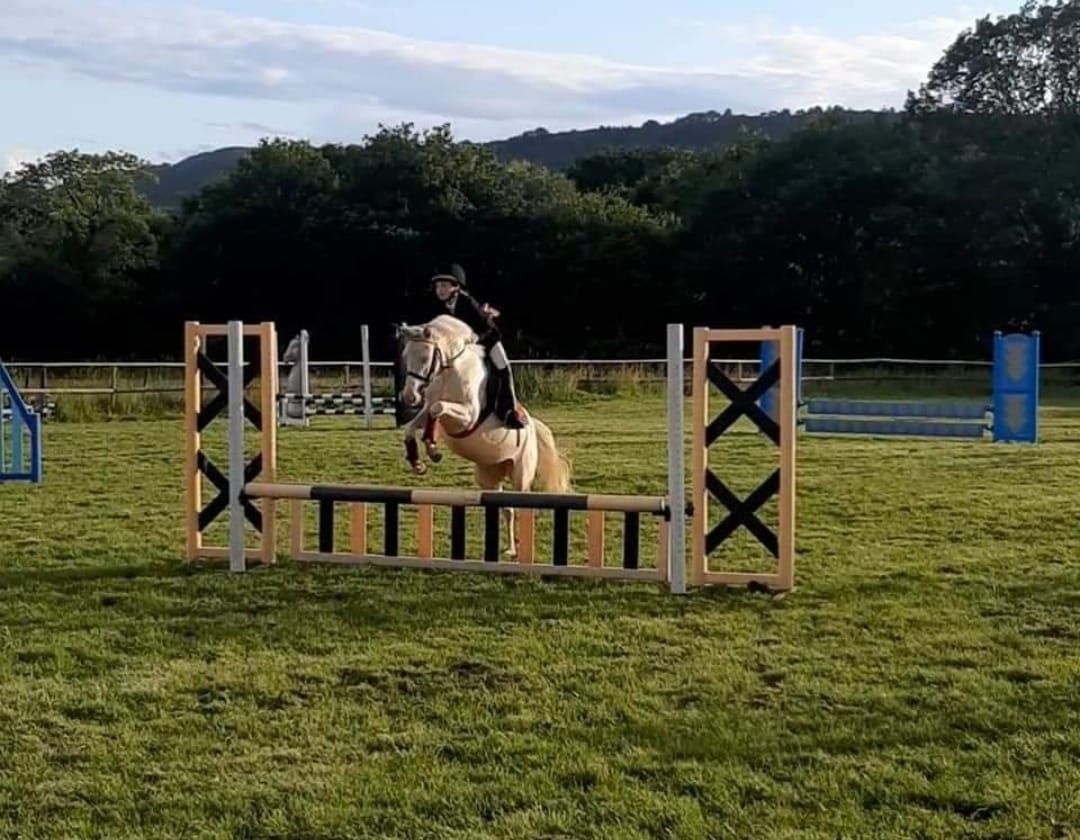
x=416 y=597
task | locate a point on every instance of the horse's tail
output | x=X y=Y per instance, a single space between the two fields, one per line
x=552 y=468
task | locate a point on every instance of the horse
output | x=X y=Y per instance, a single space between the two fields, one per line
x=445 y=373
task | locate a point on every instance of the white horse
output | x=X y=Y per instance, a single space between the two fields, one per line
x=445 y=372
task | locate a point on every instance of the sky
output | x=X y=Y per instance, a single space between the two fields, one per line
x=165 y=79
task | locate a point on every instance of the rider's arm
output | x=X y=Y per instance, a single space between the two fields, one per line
x=481 y=320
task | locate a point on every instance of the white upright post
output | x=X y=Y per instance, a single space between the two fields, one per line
x=305 y=376
x=365 y=349
x=676 y=467
x=237 y=558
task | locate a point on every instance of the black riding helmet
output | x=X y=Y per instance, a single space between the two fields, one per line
x=454 y=274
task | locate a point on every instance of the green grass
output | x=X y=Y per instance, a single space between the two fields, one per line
x=921 y=681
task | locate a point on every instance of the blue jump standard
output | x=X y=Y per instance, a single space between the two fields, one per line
x=1010 y=415
x=23 y=423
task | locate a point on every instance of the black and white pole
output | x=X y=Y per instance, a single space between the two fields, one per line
x=237 y=553
x=676 y=467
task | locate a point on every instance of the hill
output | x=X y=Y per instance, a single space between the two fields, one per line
x=556 y=150
x=177 y=181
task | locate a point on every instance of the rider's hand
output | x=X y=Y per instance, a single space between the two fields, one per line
x=489 y=311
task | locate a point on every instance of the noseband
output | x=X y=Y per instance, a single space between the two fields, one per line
x=438 y=362
x=433 y=369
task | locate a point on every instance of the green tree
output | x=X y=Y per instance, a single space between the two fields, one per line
x=1024 y=63
x=328 y=238
x=75 y=231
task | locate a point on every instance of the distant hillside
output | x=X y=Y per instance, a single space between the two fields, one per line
x=177 y=181
x=694 y=132
x=556 y=150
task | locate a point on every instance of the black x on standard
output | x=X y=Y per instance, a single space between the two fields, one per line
x=742 y=512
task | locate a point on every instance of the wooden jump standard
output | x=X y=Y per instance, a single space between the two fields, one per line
x=250 y=491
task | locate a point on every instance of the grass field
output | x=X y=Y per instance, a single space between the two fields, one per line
x=922 y=680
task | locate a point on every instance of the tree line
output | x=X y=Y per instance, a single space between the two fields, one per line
x=918 y=233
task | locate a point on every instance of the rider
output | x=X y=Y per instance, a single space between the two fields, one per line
x=450 y=290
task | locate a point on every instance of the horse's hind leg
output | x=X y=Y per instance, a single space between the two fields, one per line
x=491 y=477
x=522 y=474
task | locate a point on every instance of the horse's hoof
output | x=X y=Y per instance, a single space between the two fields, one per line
x=435 y=456
x=419 y=467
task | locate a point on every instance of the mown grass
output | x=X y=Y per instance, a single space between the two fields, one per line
x=920 y=682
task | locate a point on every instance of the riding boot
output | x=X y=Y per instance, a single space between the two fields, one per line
x=510 y=411
x=507 y=408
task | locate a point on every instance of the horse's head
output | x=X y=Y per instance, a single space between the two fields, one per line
x=419 y=356
x=429 y=349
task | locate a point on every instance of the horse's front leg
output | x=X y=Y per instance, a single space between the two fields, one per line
x=430 y=443
x=412 y=449
x=455 y=417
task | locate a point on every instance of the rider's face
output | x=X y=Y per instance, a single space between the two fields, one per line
x=444 y=289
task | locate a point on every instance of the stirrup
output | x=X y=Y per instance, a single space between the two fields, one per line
x=515 y=418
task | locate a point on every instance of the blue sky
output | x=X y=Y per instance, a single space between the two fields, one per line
x=168 y=78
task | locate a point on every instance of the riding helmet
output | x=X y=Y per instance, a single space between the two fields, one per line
x=455 y=274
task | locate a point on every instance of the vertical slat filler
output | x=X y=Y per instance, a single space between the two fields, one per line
x=560 y=548
x=595 y=535
x=326 y=526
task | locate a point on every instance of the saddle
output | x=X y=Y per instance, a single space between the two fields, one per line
x=494 y=392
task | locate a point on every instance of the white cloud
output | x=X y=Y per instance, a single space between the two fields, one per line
x=196 y=50
x=14 y=157
x=351 y=70
x=864 y=71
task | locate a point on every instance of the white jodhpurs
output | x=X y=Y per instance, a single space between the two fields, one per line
x=498 y=356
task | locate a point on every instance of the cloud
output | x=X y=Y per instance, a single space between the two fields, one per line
x=14 y=157
x=197 y=50
x=249 y=127
x=868 y=70
x=193 y=50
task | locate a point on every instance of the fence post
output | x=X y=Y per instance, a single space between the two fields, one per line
x=237 y=557
x=676 y=467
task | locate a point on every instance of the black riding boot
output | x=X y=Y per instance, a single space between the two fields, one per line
x=507 y=408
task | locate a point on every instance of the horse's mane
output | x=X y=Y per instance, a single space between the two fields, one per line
x=451 y=335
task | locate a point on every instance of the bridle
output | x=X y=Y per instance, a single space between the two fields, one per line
x=437 y=365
